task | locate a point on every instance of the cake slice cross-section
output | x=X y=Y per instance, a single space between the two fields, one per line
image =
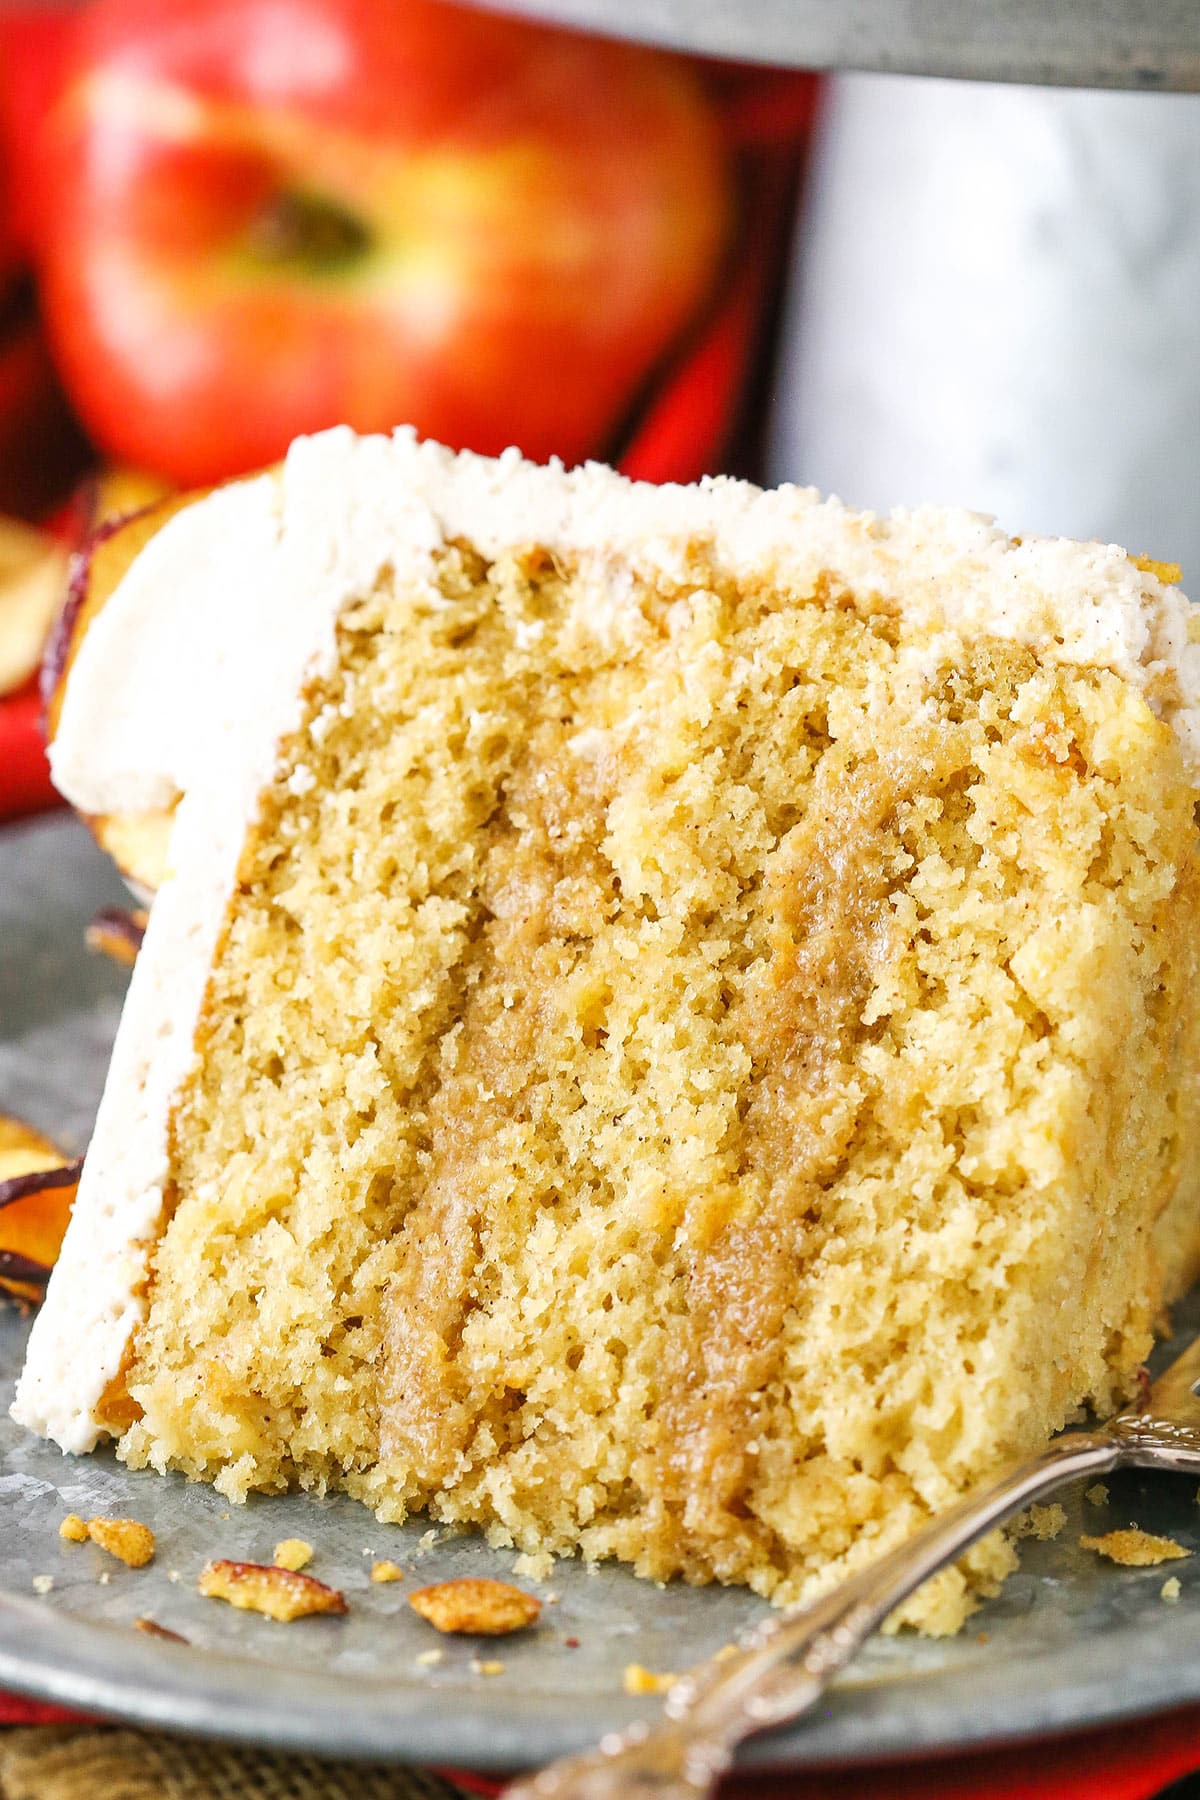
x=669 y=1028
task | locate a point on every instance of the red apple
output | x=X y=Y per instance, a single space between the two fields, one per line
x=269 y=216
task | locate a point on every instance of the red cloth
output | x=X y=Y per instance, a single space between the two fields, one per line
x=1124 y=1762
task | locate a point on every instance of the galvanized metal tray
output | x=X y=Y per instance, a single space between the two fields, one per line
x=1147 y=44
x=1071 y=1641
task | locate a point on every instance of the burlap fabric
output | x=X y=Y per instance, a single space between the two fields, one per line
x=70 y=1762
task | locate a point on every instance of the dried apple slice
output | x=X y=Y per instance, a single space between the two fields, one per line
x=33 y=581
x=281 y=1594
x=117 y=933
x=152 y=1628
x=37 y=1190
x=476 y=1605
x=119 y=491
x=137 y=842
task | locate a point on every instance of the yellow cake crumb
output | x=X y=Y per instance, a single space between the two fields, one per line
x=487 y=1667
x=1097 y=1494
x=1135 y=1549
x=292 y=1553
x=637 y=1680
x=1041 y=1522
x=1170 y=1589
x=127 y=1539
x=43 y=1584
x=385 y=1570
x=73 y=1529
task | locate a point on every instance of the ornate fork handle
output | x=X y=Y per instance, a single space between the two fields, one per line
x=790 y=1659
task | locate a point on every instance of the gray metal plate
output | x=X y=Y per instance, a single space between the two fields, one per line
x=1073 y=43
x=1070 y=1642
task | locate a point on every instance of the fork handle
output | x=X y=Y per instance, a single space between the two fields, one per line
x=792 y=1657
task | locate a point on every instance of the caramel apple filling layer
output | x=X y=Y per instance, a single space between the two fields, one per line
x=690 y=1075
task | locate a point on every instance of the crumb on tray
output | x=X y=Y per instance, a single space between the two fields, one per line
x=638 y=1680
x=128 y=1540
x=1040 y=1522
x=1134 y=1549
x=293 y=1554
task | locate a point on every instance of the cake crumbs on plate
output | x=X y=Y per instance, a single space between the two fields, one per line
x=1097 y=1494
x=486 y=1666
x=293 y=1554
x=637 y=1680
x=42 y=1584
x=1170 y=1589
x=128 y=1540
x=386 y=1570
x=1040 y=1522
x=1134 y=1548
x=428 y=1658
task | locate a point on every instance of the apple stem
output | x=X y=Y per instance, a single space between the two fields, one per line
x=309 y=229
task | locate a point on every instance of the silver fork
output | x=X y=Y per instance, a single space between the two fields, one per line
x=786 y=1663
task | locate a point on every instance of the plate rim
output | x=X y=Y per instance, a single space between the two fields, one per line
x=104 y=1670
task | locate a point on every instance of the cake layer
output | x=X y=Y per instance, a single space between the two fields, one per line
x=660 y=1039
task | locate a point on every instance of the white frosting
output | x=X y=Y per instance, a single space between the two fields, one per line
x=194 y=671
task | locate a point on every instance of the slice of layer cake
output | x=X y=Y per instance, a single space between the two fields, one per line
x=670 y=1027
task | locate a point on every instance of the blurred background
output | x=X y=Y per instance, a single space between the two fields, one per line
x=224 y=222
